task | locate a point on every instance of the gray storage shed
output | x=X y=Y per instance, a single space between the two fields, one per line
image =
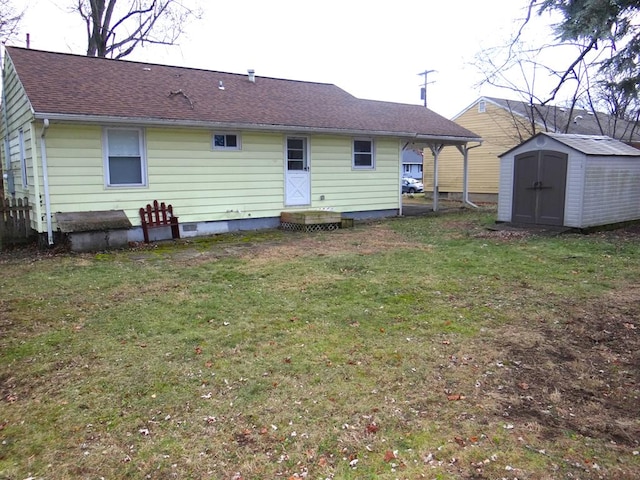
x=576 y=181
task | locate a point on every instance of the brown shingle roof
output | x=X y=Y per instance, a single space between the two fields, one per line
x=577 y=121
x=72 y=85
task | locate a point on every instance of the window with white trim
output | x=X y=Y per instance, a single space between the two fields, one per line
x=226 y=141
x=124 y=157
x=363 y=153
x=482 y=106
x=23 y=159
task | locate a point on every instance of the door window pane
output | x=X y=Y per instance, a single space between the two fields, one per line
x=296 y=154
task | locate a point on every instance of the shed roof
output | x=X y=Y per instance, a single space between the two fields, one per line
x=74 y=87
x=596 y=145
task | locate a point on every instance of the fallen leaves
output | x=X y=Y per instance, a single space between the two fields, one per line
x=389 y=456
x=455 y=397
x=372 y=428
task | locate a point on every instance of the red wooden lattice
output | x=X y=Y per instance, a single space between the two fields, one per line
x=156 y=216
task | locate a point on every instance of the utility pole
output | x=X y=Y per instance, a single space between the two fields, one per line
x=423 y=90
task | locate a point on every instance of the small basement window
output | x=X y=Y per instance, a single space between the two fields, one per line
x=226 y=141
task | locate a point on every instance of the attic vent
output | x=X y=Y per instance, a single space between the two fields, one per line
x=482 y=106
x=220 y=85
x=252 y=75
x=146 y=69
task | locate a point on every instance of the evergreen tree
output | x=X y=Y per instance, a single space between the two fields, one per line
x=611 y=24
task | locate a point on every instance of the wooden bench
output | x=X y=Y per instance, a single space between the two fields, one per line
x=156 y=216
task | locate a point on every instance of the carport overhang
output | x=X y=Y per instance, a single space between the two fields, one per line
x=435 y=144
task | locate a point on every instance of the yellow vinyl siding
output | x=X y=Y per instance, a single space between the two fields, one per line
x=18 y=116
x=208 y=185
x=348 y=189
x=18 y=107
x=500 y=131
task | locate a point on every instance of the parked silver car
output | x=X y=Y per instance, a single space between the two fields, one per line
x=411 y=185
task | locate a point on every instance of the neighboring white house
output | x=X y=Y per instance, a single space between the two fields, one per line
x=412 y=163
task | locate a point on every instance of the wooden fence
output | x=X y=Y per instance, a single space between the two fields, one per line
x=15 y=224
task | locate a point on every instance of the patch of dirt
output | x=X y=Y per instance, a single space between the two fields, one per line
x=578 y=373
x=376 y=238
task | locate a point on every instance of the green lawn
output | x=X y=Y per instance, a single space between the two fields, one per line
x=426 y=347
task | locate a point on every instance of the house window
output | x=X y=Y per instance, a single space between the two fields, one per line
x=363 y=153
x=482 y=106
x=23 y=160
x=125 y=163
x=407 y=168
x=226 y=141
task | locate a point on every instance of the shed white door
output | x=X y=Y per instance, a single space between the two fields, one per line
x=298 y=175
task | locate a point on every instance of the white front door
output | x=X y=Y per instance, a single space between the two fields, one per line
x=297 y=176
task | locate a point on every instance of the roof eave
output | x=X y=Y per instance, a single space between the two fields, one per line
x=163 y=122
x=446 y=139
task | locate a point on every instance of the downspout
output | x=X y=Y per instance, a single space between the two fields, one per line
x=465 y=173
x=435 y=151
x=45 y=180
x=7 y=173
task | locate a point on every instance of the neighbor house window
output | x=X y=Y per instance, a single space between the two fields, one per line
x=23 y=160
x=362 y=153
x=125 y=162
x=407 y=168
x=226 y=141
x=482 y=106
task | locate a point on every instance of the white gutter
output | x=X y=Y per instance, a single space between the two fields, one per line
x=7 y=148
x=104 y=120
x=45 y=179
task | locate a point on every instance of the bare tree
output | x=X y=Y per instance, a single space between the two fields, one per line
x=610 y=25
x=572 y=72
x=527 y=72
x=9 y=20
x=116 y=29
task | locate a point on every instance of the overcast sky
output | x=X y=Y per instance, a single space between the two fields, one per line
x=373 y=50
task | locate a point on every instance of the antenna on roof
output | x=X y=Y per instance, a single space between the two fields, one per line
x=28 y=40
x=220 y=85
